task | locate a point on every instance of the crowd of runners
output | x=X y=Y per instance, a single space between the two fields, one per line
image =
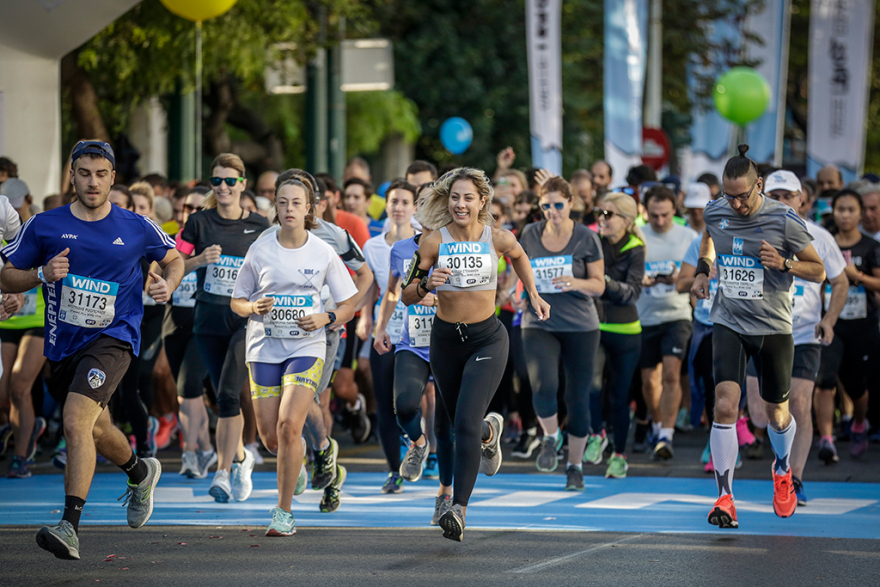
x=441 y=315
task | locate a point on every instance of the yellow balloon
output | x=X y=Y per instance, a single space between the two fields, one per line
x=198 y=10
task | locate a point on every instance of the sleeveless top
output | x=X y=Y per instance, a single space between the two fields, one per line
x=474 y=264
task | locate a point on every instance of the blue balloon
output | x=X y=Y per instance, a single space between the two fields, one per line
x=456 y=135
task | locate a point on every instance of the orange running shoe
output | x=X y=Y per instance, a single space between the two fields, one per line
x=784 y=497
x=723 y=514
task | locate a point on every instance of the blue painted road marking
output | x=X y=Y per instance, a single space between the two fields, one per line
x=505 y=501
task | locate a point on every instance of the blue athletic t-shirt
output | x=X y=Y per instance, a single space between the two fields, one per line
x=401 y=256
x=102 y=293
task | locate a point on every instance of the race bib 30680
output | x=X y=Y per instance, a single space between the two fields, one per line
x=280 y=322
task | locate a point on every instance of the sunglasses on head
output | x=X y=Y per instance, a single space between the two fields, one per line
x=557 y=205
x=230 y=181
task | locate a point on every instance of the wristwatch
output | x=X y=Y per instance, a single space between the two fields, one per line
x=424 y=285
x=332 y=317
x=787 y=265
x=41 y=275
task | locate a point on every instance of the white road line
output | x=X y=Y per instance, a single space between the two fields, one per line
x=561 y=559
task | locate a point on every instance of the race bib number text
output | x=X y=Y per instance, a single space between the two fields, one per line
x=741 y=277
x=280 y=322
x=471 y=263
x=183 y=295
x=220 y=276
x=546 y=269
x=856 y=306
x=87 y=302
x=421 y=320
x=661 y=269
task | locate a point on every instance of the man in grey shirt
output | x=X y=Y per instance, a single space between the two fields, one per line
x=665 y=315
x=755 y=240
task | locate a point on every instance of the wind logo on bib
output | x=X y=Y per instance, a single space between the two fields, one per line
x=546 y=269
x=470 y=263
x=421 y=321
x=281 y=321
x=741 y=277
x=87 y=302
x=220 y=276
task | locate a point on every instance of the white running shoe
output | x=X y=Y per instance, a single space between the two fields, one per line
x=242 y=486
x=189 y=464
x=221 y=489
x=254 y=447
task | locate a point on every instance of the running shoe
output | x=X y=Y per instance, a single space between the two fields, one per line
x=526 y=444
x=490 y=458
x=574 y=479
x=189 y=464
x=683 y=421
x=414 y=462
x=357 y=420
x=330 y=499
x=18 y=468
x=441 y=504
x=596 y=445
x=663 y=449
x=640 y=438
x=843 y=428
x=5 y=438
x=301 y=481
x=254 y=447
x=617 y=466
x=723 y=514
x=744 y=436
x=755 y=451
x=139 y=498
x=547 y=456
x=152 y=430
x=39 y=428
x=784 y=498
x=394 y=483
x=452 y=522
x=709 y=467
x=827 y=451
x=242 y=485
x=706 y=457
x=324 y=466
x=858 y=441
x=168 y=425
x=60 y=540
x=799 y=491
x=282 y=524
x=221 y=489
x=207 y=459
x=432 y=467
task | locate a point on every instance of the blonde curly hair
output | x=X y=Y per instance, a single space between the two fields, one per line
x=433 y=212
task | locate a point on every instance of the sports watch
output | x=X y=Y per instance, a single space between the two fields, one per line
x=787 y=265
x=332 y=317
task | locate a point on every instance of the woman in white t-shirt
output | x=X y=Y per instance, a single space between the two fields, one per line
x=279 y=290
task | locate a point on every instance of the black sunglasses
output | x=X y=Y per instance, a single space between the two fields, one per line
x=606 y=213
x=230 y=181
x=557 y=205
x=191 y=208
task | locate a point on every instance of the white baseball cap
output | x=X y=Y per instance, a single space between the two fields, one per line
x=782 y=180
x=697 y=195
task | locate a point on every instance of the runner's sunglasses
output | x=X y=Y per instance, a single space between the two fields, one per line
x=230 y=181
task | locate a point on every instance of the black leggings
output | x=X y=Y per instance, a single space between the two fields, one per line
x=136 y=388
x=468 y=361
x=186 y=364
x=620 y=355
x=220 y=335
x=411 y=373
x=382 y=368
x=577 y=352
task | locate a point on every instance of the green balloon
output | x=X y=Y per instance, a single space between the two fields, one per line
x=741 y=95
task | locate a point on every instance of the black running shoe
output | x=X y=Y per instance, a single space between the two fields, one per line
x=324 y=467
x=526 y=444
x=357 y=421
x=330 y=500
x=452 y=523
x=640 y=439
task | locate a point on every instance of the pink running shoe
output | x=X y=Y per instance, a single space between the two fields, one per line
x=709 y=467
x=744 y=436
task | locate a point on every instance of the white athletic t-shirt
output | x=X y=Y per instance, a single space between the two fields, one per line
x=295 y=278
x=806 y=301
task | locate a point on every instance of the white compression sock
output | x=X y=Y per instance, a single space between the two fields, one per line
x=667 y=433
x=655 y=428
x=722 y=442
x=781 y=442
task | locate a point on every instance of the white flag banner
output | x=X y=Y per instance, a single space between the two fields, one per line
x=841 y=42
x=771 y=25
x=544 y=43
x=626 y=33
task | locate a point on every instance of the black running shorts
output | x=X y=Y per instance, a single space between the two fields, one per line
x=665 y=340
x=773 y=355
x=94 y=371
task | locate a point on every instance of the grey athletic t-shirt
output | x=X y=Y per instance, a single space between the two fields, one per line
x=664 y=252
x=751 y=299
x=569 y=311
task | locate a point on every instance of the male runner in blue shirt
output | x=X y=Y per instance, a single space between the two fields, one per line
x=87 y=258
